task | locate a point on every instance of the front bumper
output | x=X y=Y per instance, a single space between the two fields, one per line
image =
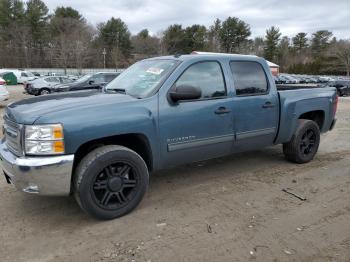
x=40 y=175
x=31 y=90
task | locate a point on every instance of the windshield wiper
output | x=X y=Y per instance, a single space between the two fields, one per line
x=117 y=90
x=121 y=91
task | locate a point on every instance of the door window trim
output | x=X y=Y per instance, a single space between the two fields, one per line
x=266 y=78
x=201 y=99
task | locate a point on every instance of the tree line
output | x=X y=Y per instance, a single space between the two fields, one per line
x=31 y=36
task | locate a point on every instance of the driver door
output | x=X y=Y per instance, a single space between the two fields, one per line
x=200 y=129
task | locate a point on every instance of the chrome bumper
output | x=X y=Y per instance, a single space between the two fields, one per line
x=40 y=175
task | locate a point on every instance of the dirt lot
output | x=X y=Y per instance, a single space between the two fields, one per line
x=230 y=209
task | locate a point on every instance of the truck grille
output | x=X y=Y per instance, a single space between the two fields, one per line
x=12 y=132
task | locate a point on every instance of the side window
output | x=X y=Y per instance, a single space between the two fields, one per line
x=53 y=79
x=249 y=78
x=109 y=77
x=65 y=80
x=24 y=74
x=49 y=79
x=98 y=79
x=207 y=76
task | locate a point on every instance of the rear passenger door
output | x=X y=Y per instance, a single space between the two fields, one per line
x=256 y=106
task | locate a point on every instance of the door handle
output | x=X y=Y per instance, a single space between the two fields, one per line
x=222 y=110
x=268 y=105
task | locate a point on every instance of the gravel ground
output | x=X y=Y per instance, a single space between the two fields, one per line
x=229 y=209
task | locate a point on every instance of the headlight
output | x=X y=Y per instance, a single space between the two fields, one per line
x=44 y=140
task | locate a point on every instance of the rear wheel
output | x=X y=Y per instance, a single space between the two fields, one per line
x=44 y=91
x=110 y=182
x=304 y=144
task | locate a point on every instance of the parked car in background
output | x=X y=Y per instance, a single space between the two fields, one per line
x=73 y=77
x=36 y=74
x=95 y=81
x=279 y=80
x=43 y=86
x=342 y=86
x=4 y=94
x=23 y=76
x=286 y=79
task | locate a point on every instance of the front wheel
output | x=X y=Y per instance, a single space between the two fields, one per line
x=304 y=144
x=110 y=182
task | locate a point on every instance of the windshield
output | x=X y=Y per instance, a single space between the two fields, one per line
x=30 y=74
x=83 y=79
x=142 y=78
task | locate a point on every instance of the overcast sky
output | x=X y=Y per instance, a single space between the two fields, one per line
x=291 y=16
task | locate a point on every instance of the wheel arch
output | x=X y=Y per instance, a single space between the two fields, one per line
x=134 y=141
x=318 y=116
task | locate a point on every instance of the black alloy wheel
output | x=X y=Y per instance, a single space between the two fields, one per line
x=110 y=181
x=304 y=143
x=307 y=142
x=115 y=186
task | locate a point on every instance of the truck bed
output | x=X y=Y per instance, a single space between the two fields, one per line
x=294 y=102
x=282 y=87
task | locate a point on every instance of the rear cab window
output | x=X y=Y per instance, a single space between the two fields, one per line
x=249 y=78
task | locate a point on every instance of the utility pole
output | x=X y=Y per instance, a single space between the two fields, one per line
x=104 y=53
x=117 y=49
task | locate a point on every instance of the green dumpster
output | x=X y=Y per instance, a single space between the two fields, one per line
x=9 y=77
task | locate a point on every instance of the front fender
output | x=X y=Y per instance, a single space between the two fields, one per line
x=82 y=125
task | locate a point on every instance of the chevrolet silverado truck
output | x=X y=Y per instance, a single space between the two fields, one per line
x=100 y=146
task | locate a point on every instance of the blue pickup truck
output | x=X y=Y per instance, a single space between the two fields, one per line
x=100 y=146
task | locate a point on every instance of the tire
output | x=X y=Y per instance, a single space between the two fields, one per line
x=110 y=182
x=44 y=91
x=304 y=144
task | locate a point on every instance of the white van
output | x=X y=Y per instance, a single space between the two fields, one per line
x=22 y=75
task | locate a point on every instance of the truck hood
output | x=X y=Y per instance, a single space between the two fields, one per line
x=27 y=111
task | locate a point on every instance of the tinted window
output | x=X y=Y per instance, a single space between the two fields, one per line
x=65 y=80
x=24 y=74
x=52 y=79
x=207 y=76
x=110 y=77
x=342 y=83
x=249 y=78
x=98 y=79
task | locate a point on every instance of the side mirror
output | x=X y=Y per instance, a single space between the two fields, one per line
x=91 y=82
x=184 y=92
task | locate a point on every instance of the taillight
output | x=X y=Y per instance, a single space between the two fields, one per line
x=2 y=82
x=335 y=105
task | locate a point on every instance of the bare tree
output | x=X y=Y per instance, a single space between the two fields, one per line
x=342 y=53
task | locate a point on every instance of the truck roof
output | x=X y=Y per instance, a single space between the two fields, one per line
x=208 y=56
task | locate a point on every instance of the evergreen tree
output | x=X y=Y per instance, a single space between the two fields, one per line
x=272 y=38
x=233 y=33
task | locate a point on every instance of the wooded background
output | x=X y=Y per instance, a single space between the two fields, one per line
x=32 y=36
